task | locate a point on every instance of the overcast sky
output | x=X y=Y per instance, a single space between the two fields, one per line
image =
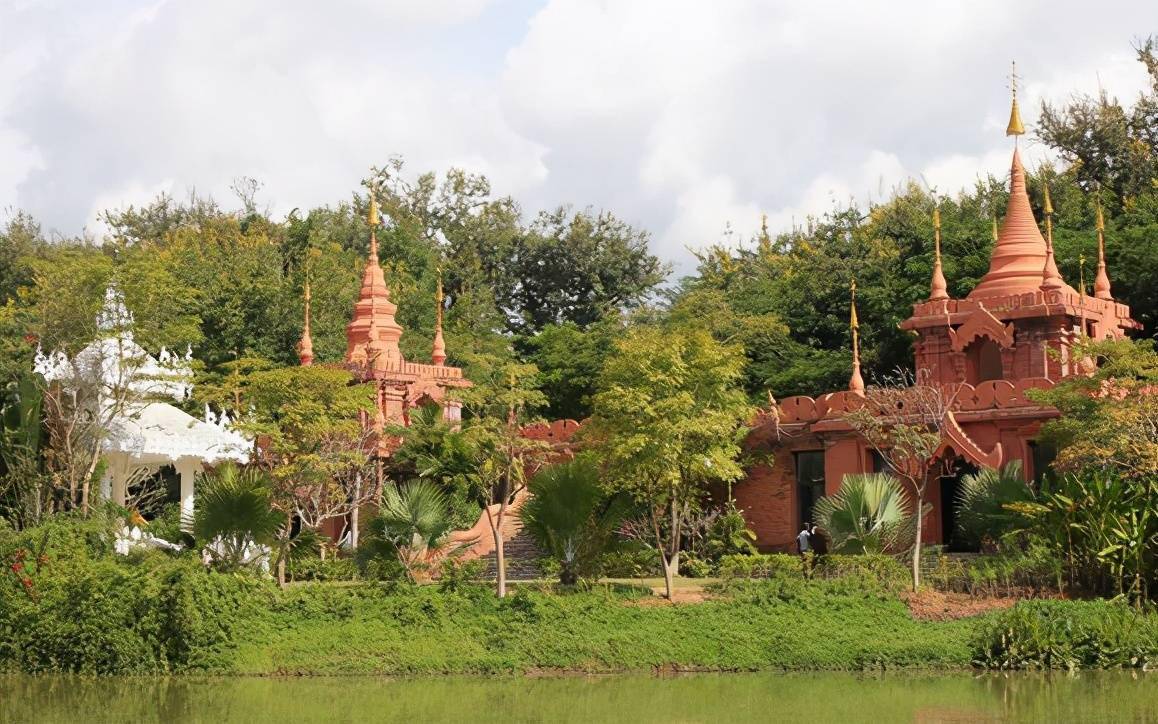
x=680 y=116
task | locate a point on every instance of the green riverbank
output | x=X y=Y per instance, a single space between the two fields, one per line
x=109 y=618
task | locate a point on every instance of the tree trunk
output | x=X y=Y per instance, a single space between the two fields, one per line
x=500 y=557
x=355 y=511
x=671 y=568
x=917 y=542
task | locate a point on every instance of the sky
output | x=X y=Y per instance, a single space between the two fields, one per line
x=682 y=117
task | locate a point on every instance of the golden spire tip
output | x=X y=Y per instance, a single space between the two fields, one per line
x=1015 y=126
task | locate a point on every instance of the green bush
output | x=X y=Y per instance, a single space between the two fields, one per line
x=1068 y=635
x=770 y=565
x=631 y=562
x=314 y=568
x=882 y=569
x=694 y=567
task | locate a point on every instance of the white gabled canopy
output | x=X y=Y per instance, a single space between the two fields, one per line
x=147 y=433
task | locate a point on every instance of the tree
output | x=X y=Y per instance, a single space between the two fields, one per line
x=1106 y=142
x=1109 y=419
x=235 y=515
x=502 y=455
x=317 y=447
x=904 y=421
x=668 y=421
x=869 y=514
x=569 y=359
x=572 y=517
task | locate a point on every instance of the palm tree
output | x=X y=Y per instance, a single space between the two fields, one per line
x=413 y=520
x=982 y=511
x=235 y=514
x=868 y=515
x=571 y=517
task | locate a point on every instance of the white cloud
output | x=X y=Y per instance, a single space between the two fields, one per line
x=678 y=115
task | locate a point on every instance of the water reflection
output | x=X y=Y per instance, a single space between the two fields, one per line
x=1109 y=696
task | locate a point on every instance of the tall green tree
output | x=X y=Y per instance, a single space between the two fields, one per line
x=668 y=421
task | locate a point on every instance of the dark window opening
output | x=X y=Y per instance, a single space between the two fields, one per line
x=984 y=358
x=809 y=483
x=1042 y=456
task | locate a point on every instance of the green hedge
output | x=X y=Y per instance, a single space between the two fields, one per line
x=885 y=570
x=1068 y=635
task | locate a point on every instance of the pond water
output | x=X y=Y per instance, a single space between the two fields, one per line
x=806 y=698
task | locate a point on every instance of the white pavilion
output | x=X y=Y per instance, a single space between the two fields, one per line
x=144 y=432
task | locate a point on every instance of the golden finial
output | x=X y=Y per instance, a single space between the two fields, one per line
x=372 y=216
x=852 y=320
x=1015 y=127
x=1082 y=274
x=1050 y=276
x=438 y=352
x=938 y=288
x=1102 y=278
x=856 y=381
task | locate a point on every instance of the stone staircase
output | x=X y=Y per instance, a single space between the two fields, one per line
x=522 y=556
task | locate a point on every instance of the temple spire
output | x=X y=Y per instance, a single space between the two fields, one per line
x=1050 y=276
x=855 y=382
x=938 y=288
x=438 y=354
x=1015 y=127
x=1102 y=279
x=306 y=343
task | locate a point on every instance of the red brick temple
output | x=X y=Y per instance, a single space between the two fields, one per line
x=1011 y=334
x=373 y=355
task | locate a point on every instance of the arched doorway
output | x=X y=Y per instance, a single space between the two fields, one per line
x=950 y=489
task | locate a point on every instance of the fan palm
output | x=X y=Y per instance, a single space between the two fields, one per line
x=982 y=502
x=234 y=513
x=571 y=517
x=868 y=515
x=412 y=520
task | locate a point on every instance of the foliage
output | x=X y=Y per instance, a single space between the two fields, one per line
x=1109 y=419
x=869 y=514
x=443 y=454
x=982 y=514
x=572 y=517
x=1029 y=571
x=667 y=424
x=412 y=522
x=1068 y=635
x=877 y=570
x=314 y=568
x=1104 y=527
x=719 y=532
x=234 y=513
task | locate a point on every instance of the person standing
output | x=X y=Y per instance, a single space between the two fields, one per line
x=817 y=541
x=804 y=540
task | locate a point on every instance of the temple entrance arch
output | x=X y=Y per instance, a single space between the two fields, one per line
x=953 y=472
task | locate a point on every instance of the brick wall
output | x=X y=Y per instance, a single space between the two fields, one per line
x=768 y=498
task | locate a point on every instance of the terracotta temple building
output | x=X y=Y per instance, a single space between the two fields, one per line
x=373 y=355
x=1011 y=334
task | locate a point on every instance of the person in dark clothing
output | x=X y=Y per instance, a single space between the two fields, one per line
x=817 y=540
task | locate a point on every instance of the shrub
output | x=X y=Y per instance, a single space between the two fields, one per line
x=314 y=568
x=1068 y=635
x=773 y=565
x=572 y=517
x=882 y=569
x=869 y=514
x=695 y=567
x=631 y=561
